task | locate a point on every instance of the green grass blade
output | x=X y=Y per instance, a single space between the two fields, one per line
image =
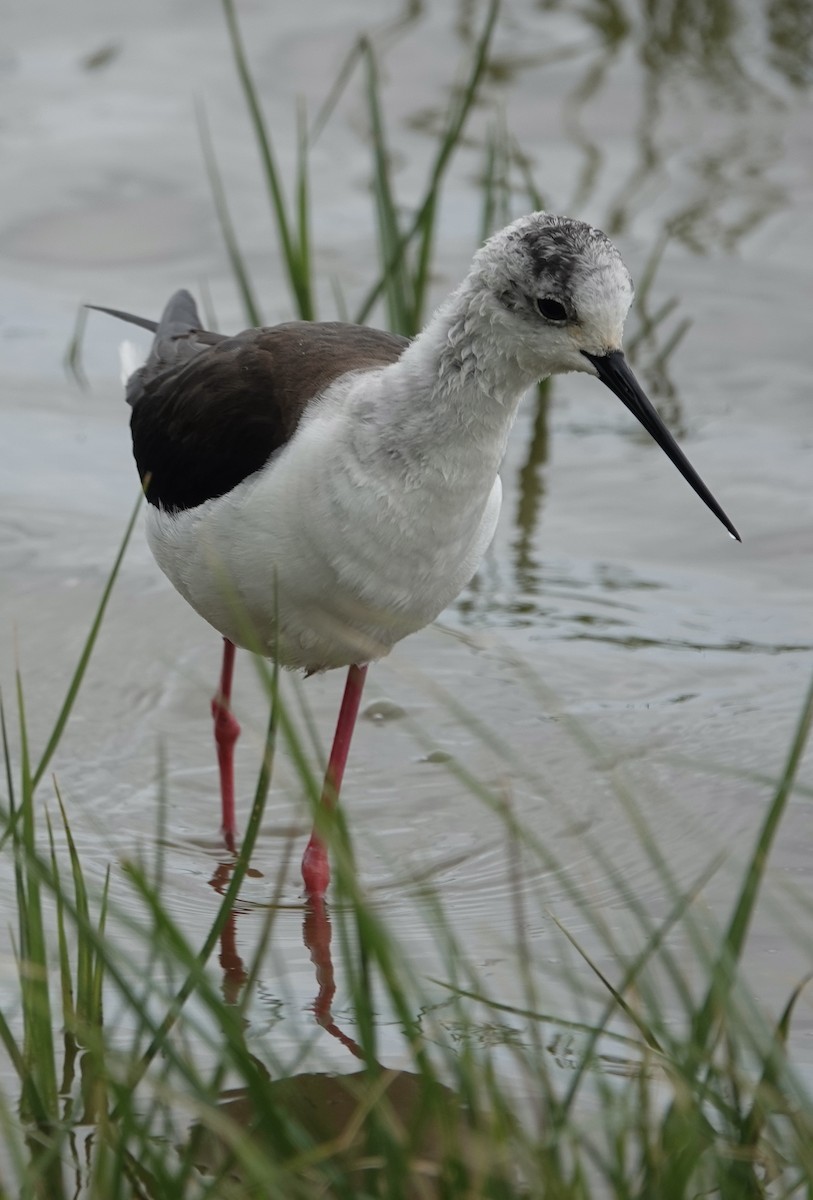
x=488 y=186
x=769 y=1088
x=7 y=764
x=456 y=121
x=303 y=207
x=618 y=999
x=65 y=974
x=397 y=285
x=38 y=1038
x=449 y=143
x=292 y=254
x=95 y=1010
x=495 y=185
x=722 y=977
x=9 y=1042
x=195 y=974
x=235 y=254
x=420 y=286
x=85 y=952
x=535 y=197
x=343 y=77
x=84 y=658
x=670 y=345
x=73 y=355
x=631 y=974
x=647 y=323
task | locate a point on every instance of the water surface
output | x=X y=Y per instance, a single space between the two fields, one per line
x=685 y=656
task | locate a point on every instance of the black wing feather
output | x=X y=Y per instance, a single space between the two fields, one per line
x=209 y=410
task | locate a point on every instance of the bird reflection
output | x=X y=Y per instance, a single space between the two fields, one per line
x=317 y=935
x=234 y=969
x=345 y=1116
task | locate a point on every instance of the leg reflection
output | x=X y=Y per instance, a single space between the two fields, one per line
x=316 y=934
x=234 y=969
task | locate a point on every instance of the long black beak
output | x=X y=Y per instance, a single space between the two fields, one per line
x=614 y=370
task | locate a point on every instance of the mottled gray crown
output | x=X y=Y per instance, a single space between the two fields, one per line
x=559 y=256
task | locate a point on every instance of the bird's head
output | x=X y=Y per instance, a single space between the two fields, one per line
x=557 y=289
x=556 y=294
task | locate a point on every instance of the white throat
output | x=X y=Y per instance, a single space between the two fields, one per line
x=451 y=399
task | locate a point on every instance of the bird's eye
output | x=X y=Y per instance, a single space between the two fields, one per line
x=551 y=310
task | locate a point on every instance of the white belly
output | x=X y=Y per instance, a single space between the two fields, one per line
x=322 y=560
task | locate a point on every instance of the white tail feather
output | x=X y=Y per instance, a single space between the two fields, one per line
x=131 y=357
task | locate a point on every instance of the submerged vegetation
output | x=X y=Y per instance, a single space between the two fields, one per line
x=152 y=1087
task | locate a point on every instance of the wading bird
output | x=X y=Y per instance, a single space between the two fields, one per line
x=319 y=491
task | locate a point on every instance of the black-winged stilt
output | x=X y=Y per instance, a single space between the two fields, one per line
x=332 y=488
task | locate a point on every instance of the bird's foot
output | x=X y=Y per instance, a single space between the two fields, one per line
x=315 y=868
x=229 y=839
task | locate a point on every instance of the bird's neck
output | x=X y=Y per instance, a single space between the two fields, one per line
x=453 y=395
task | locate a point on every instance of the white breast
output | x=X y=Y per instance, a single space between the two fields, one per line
x=330 y=554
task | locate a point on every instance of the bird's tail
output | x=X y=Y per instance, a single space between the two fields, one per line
x=144 y=322
x=178 y=338
x=131 y=357
x=180 y=316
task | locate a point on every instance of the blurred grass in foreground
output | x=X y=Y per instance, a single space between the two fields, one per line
x=138 y=1105
x=166 y=1098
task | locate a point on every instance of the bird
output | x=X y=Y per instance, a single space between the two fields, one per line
x=318 y=491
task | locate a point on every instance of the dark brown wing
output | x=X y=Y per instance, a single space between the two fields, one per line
x=208 y=411
x=200 y=429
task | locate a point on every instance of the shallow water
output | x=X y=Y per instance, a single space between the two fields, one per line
x=685 y=656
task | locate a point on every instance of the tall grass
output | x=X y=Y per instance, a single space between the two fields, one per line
x=404 y=248
x=147 y=1095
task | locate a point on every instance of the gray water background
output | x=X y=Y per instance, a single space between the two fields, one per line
x=684 y=655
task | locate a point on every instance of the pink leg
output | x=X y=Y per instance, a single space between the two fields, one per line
x=227 y=732
x=315 y=867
